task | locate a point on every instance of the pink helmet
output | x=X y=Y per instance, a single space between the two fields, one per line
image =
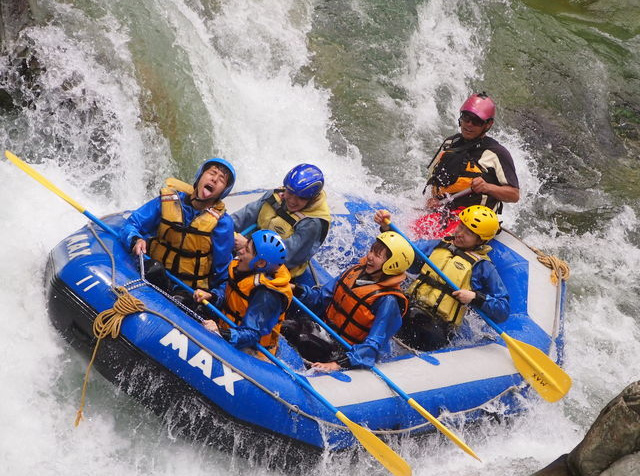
x=481 y=105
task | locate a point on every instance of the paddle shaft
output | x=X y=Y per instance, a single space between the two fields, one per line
x=536 y=367
x=448 y=433
x=451 y=197
x=446 y=279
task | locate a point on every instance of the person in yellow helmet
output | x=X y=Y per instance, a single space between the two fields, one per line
x=364 y=305
x=436 y=310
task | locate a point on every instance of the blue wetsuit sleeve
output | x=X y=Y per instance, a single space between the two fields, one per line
x=265 y=308
x=427 y=247
x=316 y=298
x=222 y=246
x=304 y=242
x=217 y=296
x=486 y=280
x=142 y=223
x=248 y=215
x=385 y=325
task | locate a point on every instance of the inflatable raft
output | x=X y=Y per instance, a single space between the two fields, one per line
x=164 y=357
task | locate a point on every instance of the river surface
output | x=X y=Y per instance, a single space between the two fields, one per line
x=109 y=97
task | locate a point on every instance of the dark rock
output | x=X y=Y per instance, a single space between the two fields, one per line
x=14 y=16
x=614 y=435
x=611 y=447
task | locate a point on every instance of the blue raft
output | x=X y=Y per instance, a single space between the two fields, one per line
x=196 y=380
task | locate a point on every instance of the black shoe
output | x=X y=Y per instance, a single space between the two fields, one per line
x=314 y=349
x=155 y=273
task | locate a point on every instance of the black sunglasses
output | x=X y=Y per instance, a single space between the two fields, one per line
x=472 y=118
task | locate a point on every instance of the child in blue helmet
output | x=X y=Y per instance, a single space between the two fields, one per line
x=186 y=228
x=298 y=212
x=256 y=294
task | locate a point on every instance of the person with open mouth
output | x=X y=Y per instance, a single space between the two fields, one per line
x=186 y=229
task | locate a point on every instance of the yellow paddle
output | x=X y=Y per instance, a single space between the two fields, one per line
x=374 y=445
x=415 y=405
x=549 y=380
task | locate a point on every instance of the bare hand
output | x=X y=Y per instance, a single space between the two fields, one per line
x=239 y=241
x=211 y=326
x=465 y=296
x=479 y=185
x=199 y=295
x=140 y=247
x=382 y=218
x=325 y=366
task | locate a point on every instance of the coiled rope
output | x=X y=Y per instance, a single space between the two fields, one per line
x=106 y=323
x=109 y=322
x=559 y=268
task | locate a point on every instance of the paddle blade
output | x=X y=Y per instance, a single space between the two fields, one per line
x=549 y=380
x=18 y=162
x=446 y=431
x=380 y=451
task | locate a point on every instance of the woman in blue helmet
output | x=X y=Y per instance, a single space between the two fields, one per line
x=298 y=212
x=256 y=295
x=186 y=228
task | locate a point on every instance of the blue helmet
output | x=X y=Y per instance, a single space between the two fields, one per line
x=304 y=181
x=269 y=247
x=217 y=161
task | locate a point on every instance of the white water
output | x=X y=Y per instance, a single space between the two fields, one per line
x=243 y=60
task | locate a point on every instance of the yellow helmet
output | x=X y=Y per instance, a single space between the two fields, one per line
x=401 y=253
x=481 y=220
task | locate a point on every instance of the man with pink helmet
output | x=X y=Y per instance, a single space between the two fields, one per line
x=471 y=168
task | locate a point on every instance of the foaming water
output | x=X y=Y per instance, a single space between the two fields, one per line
x=90 y=131
x=442 y=62
x=244 y=63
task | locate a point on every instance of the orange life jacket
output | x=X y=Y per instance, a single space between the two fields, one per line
x=236 y=299
x=349 y=313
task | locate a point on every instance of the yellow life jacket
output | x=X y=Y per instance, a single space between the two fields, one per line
x=274 y=216
x=430 y=293
x=237 y=294
x=185 y=249
x=349 y=312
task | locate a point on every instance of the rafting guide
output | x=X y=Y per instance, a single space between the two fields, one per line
x=469 y=168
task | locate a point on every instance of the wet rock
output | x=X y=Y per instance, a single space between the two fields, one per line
x=614 y=434
x=557 y=468
x=627 y=466
x=14 y=16
x=611 y=447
